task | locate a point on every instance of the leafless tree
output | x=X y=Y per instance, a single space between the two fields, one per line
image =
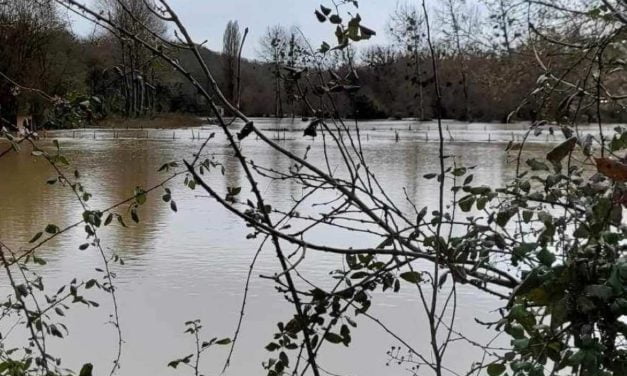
x=136 y=68
x=274 y=46
x=407 y=29
x=231 y=43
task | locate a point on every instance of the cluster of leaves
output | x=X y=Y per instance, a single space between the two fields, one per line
x=74 y=113
x=562 y=224
x=42 y=312
x=353 y=30
x=191 y=360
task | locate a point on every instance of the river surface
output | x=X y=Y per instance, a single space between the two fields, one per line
x=192 y=264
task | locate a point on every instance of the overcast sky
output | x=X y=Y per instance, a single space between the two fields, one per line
x=206 y=19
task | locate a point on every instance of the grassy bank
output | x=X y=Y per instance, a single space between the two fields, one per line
x=164 y=121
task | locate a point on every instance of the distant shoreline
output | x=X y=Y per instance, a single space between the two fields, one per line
x=159 y=121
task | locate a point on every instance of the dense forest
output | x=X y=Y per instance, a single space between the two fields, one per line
x=488 y=60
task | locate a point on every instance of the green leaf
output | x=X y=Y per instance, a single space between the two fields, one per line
x=481 y=202
x=546 y=257
x=52 y=229
x=460 y=171
x=466 y=203
x=121 y=221
x=504 y=216
x=284 y=359
x=333 y=337
x=560 y=152
x=223 y=341
x=496 y=369
x=272 y=346
x=36 y=237
x=324 y=47
x=321 y=17
x=601 y=292
x=521 y=344
x=412 y=277
x=536 y=165
x=21 y=290
x=86 y=370
x=335 y=19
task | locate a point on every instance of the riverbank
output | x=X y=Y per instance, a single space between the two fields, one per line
x=159 y=121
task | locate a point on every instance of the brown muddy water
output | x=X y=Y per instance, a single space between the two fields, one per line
x=192 y=264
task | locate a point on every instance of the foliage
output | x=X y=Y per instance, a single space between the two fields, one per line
x=550 y=243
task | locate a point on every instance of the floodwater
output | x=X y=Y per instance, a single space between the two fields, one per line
x=192 y=264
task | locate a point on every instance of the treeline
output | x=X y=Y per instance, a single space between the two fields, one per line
x=484 y=77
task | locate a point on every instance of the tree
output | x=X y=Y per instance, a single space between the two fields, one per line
x=506 y=17
x=29 y=37
x=274 y=46
x=550 y=242
x=136 y=69
x=231 y=43
x=406 y=28
x=458 y=24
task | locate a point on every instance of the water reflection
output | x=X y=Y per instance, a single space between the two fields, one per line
x=192 y=264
